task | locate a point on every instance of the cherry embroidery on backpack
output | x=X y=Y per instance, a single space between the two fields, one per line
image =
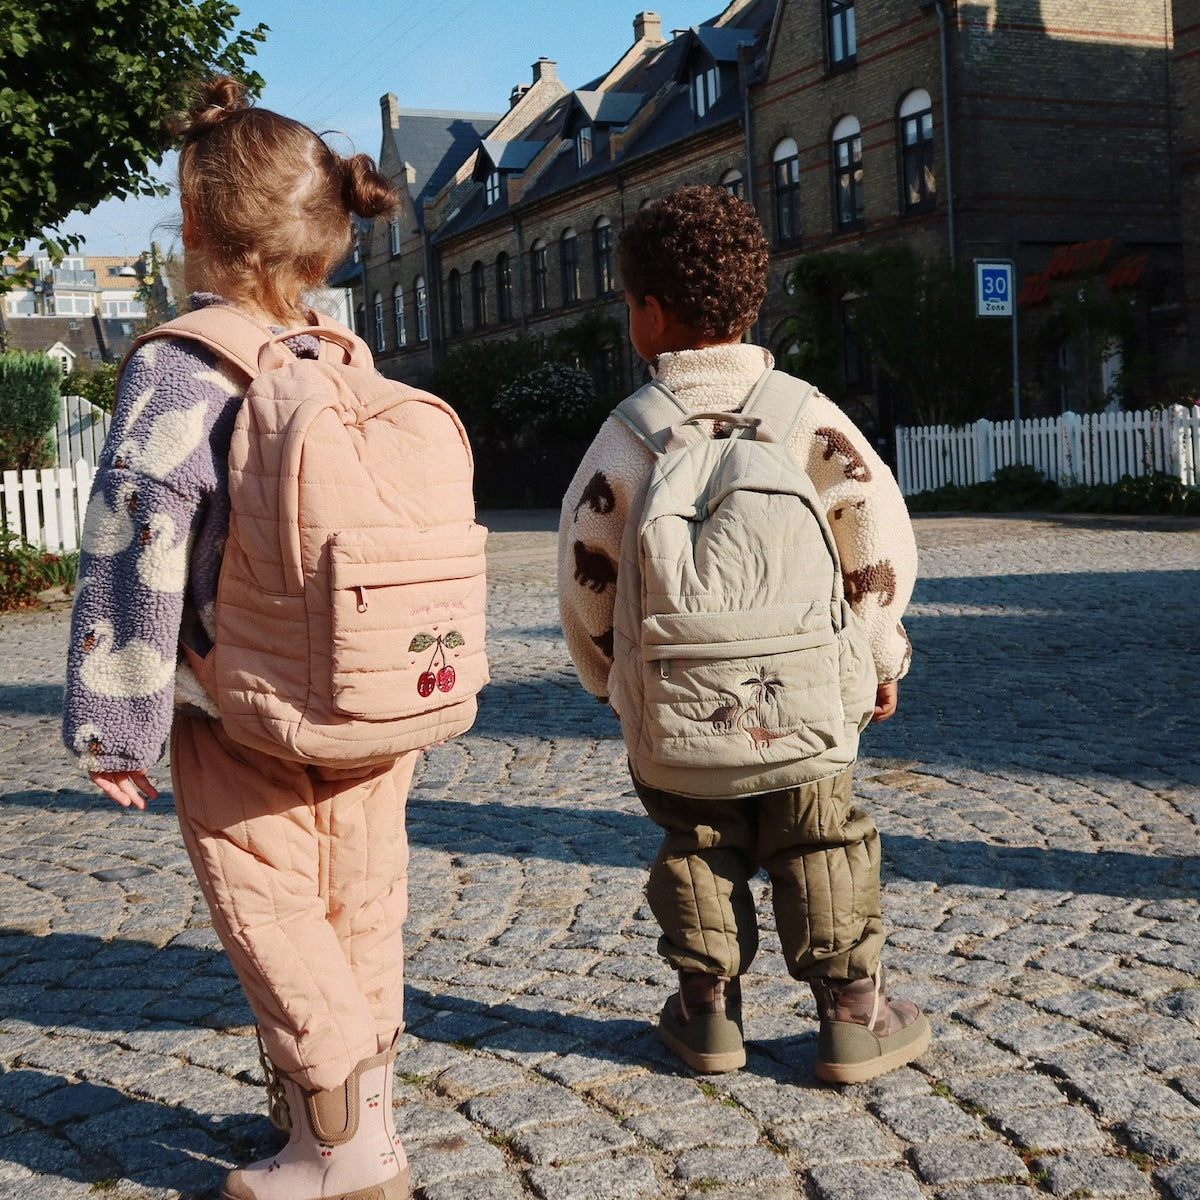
x=434 y=676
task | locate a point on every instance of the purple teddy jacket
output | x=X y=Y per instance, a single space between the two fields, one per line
x=150 y=553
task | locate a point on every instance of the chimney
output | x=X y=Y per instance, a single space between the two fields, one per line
x=647 y=27
x=545 y=68
x=516 y=94
x=390 y=111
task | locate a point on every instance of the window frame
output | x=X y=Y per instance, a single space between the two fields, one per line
x=917 y=155
x=479 y=304
x=785 y=188
x=841 y=35
x=734 y=182
x=504 y=287
x=538 y=271
x=421 y=294
x=602 y=257
x=398 y=316
x=846 y=161
x=377 y=323
x=491 y=188
x=569 y=265
x=394 y=236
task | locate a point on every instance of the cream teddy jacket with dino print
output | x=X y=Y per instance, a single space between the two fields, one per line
x=866 y=511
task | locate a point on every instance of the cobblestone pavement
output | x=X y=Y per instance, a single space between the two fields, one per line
x=1038 y=792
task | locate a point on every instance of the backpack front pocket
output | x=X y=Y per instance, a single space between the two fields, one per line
x=407 y=617
x=741 y=689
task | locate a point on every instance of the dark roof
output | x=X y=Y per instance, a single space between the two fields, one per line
x=722 y=44
x=658 y=76
x=508 y=156
x=607 y=108
x=91 y=339
x=436 y=144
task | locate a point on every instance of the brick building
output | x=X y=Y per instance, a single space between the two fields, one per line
x=1056 y=135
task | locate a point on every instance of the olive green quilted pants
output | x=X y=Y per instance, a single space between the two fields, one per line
x=819 y=851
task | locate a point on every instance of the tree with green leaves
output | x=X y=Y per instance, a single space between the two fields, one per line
x=85 y=87
x=915 y=319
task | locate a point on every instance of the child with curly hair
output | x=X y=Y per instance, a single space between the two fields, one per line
x=304 y=867
x=694 y=269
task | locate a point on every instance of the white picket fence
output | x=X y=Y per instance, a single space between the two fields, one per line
x=46 y=507
x=82 y=428
x=1086 y=448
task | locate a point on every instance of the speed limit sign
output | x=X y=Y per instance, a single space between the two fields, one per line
x=993 y=288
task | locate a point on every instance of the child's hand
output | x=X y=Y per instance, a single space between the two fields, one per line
x=125 y=788
x=886 y=696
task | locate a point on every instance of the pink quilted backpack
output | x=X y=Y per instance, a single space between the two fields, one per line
x=350 y=606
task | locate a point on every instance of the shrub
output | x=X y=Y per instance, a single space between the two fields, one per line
x=98 y=387
x=26 y=570
x=29 y=402
x=1025 y=489
x=553 y=402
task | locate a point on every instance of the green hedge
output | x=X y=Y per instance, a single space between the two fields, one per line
x=29 y=404
x=1025 y=489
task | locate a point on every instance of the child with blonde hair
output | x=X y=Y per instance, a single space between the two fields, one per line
x=304 y=867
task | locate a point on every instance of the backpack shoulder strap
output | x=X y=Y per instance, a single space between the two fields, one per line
x=650 y=414
x=233 y=335
x=779 y=399
x=239 y=339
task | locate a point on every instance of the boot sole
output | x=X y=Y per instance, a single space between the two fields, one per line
x=869 y=1068
x=699 y=1060
x=396 y=1188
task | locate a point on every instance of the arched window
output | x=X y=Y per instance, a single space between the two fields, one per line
x=734 y=182
x=456 y=324
x=398 y=315
x=537 y=274
x=421 y=292
x=504 y=288
x=848 y=174
x=917 y=180
x=569 y=250
x=602 y=253
x=479 y=307
x=786 y=159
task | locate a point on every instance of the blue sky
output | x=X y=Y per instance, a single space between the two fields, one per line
x=328 y=64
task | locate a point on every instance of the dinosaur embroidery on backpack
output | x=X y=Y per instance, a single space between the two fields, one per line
x=735 y=714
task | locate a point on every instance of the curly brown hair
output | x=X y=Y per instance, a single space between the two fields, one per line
x=273 y=201
x=702 y=254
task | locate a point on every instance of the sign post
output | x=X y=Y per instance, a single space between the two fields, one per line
x=995 y=297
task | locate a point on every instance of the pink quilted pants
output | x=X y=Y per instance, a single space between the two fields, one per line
x=305 y=871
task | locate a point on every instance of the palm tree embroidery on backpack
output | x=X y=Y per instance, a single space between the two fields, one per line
x=443 y=677
x=750 y=717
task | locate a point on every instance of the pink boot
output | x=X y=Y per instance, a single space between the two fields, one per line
x=342 y=1145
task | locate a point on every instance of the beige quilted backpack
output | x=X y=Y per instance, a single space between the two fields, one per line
x=350 y=605
x=739 y=667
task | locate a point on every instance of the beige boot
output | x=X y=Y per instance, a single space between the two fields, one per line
x=342 y=1146
x=702 y=1022
x=863 y=1033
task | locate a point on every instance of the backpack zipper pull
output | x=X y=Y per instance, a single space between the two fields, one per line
x=362 y=598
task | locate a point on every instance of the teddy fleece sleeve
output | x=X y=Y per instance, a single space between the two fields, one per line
x=870 y=524
x=594 y=512
x=153 y=479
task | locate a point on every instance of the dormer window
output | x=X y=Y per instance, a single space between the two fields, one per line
x=706 y=88
x=492 y=187
x=583 y=146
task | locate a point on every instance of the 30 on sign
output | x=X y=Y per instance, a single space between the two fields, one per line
x=993 y=288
